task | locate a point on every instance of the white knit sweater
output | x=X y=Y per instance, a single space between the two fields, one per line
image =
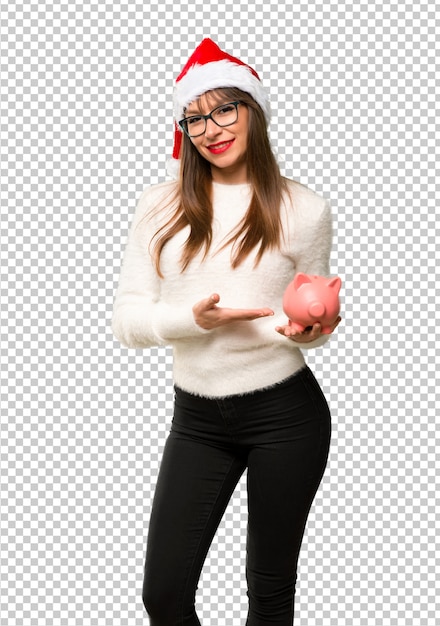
x=235 y=358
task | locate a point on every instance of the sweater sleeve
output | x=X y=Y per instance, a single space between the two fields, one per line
x=140 y=319
x=313 y=256
x=313 y=243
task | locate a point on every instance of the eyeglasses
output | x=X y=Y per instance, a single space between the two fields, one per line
x=223 y=115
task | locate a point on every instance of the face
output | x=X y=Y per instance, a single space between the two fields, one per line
x=224 y=148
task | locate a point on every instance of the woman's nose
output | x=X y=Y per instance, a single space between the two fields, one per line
x=211 y=128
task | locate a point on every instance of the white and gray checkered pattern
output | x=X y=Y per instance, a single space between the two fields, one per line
x=86 y=123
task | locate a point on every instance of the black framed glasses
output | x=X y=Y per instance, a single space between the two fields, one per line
x=223 y=115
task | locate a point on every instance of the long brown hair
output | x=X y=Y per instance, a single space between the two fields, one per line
x=261 y=224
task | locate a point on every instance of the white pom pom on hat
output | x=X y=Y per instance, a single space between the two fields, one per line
x=210 y=68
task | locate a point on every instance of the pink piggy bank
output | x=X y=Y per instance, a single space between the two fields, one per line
x=310 y=299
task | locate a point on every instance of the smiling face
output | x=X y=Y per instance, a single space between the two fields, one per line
x=225 y=148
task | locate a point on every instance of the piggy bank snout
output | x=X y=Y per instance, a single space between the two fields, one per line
x=317 y=309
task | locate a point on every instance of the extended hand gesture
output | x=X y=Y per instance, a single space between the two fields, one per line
x=208 y=315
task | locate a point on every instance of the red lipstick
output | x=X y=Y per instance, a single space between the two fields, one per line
x=222 y=146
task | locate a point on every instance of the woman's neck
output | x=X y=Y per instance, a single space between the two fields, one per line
x=226 y=176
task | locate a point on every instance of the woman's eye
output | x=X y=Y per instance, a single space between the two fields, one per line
x=226 y=109
x=193 y=120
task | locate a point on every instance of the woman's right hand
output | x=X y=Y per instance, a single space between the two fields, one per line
x=208 y=315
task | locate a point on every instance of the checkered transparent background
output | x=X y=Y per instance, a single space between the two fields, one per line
x=86 y=124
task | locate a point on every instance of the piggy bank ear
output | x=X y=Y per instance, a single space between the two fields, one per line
x=335 y=284
x=301 y=279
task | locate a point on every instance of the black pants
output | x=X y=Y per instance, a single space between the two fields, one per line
x=281 y=435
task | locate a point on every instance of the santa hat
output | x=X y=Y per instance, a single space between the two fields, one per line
x=211 y=68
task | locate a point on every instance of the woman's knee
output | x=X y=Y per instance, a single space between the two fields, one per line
x=164 y=608
x=271 y=598
x=159 y=601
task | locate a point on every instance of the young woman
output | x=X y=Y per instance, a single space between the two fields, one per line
x=207 y=261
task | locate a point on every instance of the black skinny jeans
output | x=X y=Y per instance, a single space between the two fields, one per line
x=281 y=435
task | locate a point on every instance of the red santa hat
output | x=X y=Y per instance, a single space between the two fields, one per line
x=210 y=68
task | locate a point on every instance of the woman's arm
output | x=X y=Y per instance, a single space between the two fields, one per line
x=313 y=243
x=140 y=318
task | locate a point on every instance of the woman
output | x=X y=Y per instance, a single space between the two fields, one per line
x=230 y=230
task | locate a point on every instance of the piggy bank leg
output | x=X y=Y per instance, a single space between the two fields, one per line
x=326 y=330
x=298 y=328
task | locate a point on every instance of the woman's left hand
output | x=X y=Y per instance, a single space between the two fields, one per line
x=310 y=334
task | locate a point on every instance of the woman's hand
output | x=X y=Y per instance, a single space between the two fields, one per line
x=208 y=315
x=309 y=334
